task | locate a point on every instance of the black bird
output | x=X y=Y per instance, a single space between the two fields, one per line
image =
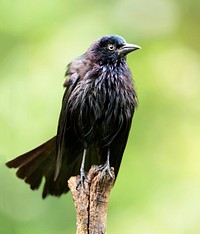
x=95 y=119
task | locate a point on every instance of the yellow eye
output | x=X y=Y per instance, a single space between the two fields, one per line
x=111 y=47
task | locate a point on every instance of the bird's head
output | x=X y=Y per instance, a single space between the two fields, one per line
x=109 y=49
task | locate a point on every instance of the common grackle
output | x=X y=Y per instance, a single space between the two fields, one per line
x=95 y=119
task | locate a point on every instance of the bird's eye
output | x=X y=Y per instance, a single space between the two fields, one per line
x=111 y=47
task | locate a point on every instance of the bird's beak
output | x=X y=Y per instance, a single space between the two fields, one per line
x=127 y=48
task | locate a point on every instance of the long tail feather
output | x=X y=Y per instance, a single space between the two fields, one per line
x=38 y=163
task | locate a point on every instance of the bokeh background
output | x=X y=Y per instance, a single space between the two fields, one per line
x=158 y=188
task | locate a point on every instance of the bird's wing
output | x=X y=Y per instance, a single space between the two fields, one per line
x=118 y=145
x=72 y=77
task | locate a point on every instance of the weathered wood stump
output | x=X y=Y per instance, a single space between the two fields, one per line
x=91 y=208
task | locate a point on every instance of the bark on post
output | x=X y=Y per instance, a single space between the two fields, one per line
x=91 y=209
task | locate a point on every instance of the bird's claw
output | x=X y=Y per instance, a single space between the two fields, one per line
x=105 y=168
x=83 y=178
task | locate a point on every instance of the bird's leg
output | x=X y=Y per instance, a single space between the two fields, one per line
x=83 y=176
x=106 y=166
x=82 y=171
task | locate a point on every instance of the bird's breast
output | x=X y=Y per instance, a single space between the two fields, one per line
x=103 y=104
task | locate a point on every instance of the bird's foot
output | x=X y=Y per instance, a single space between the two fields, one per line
x=82 y=180
x=105 y=168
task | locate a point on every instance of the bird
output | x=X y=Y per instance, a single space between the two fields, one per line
x=95 y=119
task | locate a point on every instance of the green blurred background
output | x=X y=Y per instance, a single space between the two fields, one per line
x=158 y=188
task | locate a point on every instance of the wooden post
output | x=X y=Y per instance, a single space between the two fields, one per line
x=91 y=209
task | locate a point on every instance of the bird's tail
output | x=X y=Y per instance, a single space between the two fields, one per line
x=37 y=163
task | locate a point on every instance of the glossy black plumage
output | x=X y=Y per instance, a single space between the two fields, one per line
x=97 y=109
